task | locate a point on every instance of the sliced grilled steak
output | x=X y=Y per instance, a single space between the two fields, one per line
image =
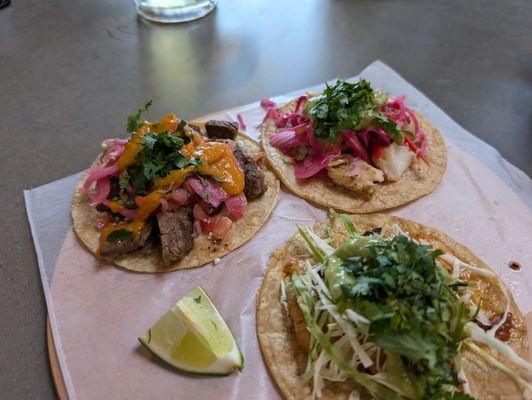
x=255 y=185
x=103 y=208
x=196 y=128
x=221 y=129
x=124 y=246
x=115 y=187
x=176 y=234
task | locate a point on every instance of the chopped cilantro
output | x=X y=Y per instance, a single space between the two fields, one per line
x=415 y=312
x=195 y=161
x=119 y=234
x=388 y=126
x=135 y=121
x=160 y=155
x=149 y=140
x=202 y=180
x=197 y=299
x=349 y=106
x=123 y=182
x=138 y=181
x=181 y=126
x=170 y=141
x=410 y=135
x=182 y=161
x=217 y=179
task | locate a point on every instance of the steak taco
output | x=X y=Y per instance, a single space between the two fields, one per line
x=174 y=195
x=353 y=149
x=363 y=307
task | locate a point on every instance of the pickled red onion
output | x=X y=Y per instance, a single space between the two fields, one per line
x=241 y=122
x=100 y=192
x=208 y=190
x=313 y=164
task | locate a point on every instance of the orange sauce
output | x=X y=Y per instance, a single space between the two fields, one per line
x=134 y=145
x=134 y=226
x=176 y=178
x=147 y=204
x=216 y=159
x=168 y=124
x=115 y=206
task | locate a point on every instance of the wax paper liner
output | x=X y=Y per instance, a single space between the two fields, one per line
x=97 y=311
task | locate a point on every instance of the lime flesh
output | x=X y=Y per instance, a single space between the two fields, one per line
x=193 y=337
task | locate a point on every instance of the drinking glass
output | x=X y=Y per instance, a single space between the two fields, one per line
x=170 y=11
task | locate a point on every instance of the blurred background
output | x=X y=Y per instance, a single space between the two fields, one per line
x=71 y=71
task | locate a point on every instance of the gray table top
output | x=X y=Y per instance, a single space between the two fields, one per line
x=71 y=71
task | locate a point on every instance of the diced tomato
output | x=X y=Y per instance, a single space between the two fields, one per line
x=218 y=226
x=377 y=152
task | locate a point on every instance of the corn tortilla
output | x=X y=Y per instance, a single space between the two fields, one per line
x=419 y=180
x=286 y=361
x=205 y=250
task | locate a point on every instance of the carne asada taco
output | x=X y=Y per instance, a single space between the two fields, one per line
x=174 y=195
x=362 y=307
x=353 y=149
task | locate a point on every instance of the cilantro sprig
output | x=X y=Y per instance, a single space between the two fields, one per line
x=159 y=156
x=135 y=121
x=415 y=312
x=350 y=106
x=119 y=234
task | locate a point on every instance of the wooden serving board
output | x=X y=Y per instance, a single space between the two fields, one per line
x=57 y=375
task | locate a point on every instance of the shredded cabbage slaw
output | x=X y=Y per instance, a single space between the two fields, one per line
x=339 y=346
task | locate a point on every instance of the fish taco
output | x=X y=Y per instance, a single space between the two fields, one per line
x=365 y=307
x=173 y=195
x=352 y=148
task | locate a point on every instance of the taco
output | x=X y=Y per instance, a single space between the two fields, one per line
x=174 y=195
x=353 y=149
x=362 y=307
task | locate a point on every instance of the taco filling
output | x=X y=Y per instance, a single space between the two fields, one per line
x=393 y=316
x=170 y=182
x=352 y=135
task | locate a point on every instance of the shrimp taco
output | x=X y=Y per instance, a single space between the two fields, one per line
x=353 y=149
x=364 y=307
x=173 y=195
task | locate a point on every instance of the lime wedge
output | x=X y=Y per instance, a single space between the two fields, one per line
x=193 y=337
